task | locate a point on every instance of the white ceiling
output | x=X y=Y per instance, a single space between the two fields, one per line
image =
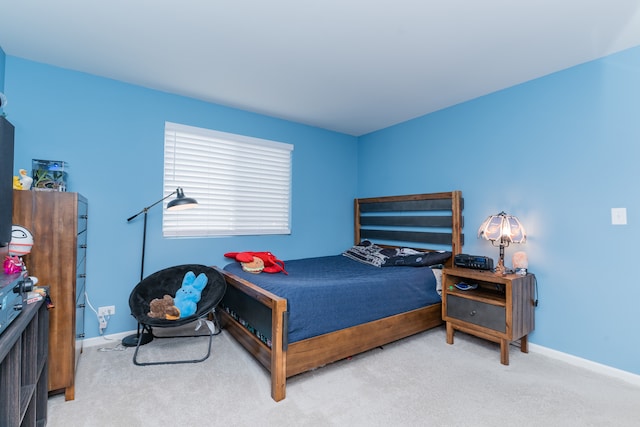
x=352 y=66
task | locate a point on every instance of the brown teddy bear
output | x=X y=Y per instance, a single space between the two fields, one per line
x=163 y=308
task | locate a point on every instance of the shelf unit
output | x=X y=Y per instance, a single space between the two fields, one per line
x=23 y=368
x=500 y=309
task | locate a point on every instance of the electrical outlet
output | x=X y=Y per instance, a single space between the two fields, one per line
x=108 y=310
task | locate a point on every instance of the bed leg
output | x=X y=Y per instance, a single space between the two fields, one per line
x=278 y=370
x=278 y=352
x=278 y=384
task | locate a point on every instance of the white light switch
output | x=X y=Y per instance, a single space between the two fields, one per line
x=618 y=216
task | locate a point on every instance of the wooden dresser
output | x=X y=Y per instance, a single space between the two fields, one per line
x=58 y=222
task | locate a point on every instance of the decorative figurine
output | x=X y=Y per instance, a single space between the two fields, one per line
x=520 y=263
x=12 y=265
x=25 y=180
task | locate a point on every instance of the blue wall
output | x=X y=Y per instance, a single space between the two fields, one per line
x=112 y=136
x=558 y=152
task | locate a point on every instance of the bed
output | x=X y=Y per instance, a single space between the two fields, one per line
x=271 y=326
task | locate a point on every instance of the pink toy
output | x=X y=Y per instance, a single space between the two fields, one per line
x=12 y=265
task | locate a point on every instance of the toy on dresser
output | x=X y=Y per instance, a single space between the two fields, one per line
x=20 y=245
x=22 y=182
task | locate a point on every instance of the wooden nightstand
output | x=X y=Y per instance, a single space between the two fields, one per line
x=500 y=309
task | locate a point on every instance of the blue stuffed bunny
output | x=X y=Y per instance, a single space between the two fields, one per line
x=187 y=297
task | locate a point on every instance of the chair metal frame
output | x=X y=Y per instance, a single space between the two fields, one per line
x=149 y=330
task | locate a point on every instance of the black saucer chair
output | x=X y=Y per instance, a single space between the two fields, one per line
x=167 y=282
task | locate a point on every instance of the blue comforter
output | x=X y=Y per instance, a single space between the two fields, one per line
x=326 y=294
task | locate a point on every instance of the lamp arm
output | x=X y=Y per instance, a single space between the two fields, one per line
x=150 y=206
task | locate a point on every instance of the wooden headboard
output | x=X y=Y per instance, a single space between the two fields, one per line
x=425 y=219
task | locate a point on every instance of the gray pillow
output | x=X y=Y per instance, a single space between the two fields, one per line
x=417 y=259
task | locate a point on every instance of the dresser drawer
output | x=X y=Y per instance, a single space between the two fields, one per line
x=476 y=312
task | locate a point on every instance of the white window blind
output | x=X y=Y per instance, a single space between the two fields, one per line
x=242 y=184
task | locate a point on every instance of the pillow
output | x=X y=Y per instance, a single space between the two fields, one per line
x=409 y=258
x=438 y=274
x=367 y=253
x=372 y=254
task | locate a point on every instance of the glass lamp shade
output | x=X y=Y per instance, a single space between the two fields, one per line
x=181 y=202
x=503 y=228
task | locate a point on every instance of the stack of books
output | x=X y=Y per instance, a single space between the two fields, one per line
x=39 y=293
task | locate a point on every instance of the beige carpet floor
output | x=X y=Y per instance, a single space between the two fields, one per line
x=417 y=381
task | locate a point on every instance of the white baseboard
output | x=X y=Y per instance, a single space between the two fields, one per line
x=117 y=338
x=106 y=339
x=587 y=364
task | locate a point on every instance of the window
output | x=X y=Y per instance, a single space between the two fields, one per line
x=242 y=184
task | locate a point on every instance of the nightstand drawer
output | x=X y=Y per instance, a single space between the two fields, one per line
x=476 y=312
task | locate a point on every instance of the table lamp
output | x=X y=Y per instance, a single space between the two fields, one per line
x=502 y=230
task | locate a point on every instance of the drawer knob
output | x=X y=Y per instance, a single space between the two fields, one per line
x=472 y=313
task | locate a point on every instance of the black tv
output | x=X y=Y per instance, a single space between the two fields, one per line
x=6 y=181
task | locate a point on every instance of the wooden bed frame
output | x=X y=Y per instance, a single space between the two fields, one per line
x=434 y=219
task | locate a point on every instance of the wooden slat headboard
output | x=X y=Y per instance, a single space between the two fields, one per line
x=431 y=219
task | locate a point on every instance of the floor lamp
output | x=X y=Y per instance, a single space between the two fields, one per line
x=179 y=203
